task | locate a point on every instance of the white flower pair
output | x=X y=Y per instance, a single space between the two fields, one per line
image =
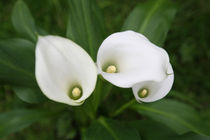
x=67 y=74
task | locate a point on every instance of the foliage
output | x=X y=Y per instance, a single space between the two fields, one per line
x=111 y=112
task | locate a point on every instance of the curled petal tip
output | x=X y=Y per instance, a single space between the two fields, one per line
x=156 y=90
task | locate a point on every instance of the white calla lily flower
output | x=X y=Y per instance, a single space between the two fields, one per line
x=150 y=91
x=127 y=58
x=64 y=71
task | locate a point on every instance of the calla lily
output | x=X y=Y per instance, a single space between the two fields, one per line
x=64 y=71
x=127 y=58
x=150 y=91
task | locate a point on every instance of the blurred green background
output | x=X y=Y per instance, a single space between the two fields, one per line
x=187 y=44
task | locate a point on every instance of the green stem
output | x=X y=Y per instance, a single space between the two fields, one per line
x=123 y=107
x=103 y=122
x=88 y=109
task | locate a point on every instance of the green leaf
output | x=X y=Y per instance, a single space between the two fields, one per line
x=106 y=129
x=151 y=130
x=85 y=25
x=153 y=19
x=23 y=21
x=180 y=117
x=184 y=98
x=17 y=60
x=93 y=102
x=29 y=95
x=190 y=136
x=14 y=121
x=102 y=90
x=64 y=127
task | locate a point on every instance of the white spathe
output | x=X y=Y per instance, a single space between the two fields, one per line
x=135 y=57
x=61 y=64
x=156 y=90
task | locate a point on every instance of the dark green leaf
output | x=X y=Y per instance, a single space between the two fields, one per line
x=189 y=136
x=17 y=60
x=14 y=121
x=180 y=117
x=185 y=98
x=106 y=129
x=42 y=31
x=29 y=95
x=153 y=19
x=23 y=21
x=101 y=91
x=64 y=126
x=151 y=130
x=85 y=25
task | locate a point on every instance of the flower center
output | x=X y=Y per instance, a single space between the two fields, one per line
x=111 y=69
x=143 y=93
x=75 y=93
